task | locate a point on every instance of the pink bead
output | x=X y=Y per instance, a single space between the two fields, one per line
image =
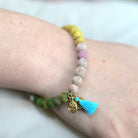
x=82 y=54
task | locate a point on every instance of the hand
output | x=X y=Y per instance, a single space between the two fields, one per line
x=112 y=82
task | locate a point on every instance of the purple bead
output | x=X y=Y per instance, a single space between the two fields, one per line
x=82 y=54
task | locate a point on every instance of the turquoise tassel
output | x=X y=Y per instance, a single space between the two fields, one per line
x=88 y=106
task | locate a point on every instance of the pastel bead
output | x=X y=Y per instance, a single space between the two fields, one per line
x=81 y=46
x=82 y=62
x=80 y=71
x=77 y=80
x=50 y=103
x=45 y=103
x=63 y=97
x=82 y=54
x=73 y=88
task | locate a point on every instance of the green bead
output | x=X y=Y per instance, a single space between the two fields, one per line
x=36 y=98
x=45 y=103
x=50 y=103
x=56 y=100
x=64 y=97
x=40 y=102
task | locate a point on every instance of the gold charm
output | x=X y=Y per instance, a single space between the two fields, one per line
x=79 y=107
x=72 y=106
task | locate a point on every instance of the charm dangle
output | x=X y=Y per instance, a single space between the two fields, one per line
x=72 y=105
x=76 y=103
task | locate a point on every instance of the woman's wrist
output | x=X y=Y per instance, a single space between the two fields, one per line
x=54 y=70
x=35 y=55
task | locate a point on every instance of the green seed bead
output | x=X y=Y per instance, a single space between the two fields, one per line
x=45 y=103
x=63 y=97
x=56 y=100
x=50 y=103
x=40 y=102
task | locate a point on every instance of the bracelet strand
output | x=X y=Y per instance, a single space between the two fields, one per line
x=70 y=97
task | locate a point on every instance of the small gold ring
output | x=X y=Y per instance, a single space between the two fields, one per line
x=79 y=100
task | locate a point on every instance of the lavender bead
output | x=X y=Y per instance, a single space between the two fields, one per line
x=81 y=46
x=77 y=80
x=80 y=71
x=73 y=88
x=82 y=62
x=82 y=54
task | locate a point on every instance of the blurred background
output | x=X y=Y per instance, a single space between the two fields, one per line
x=102 y=20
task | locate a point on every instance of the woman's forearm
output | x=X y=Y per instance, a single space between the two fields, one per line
x=28 y=47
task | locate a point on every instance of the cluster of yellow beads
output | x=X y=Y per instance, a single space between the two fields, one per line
x=76 y=33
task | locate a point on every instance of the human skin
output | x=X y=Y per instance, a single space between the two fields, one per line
x=40 y=58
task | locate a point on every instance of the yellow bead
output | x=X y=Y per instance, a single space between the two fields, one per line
x=74 y=30
x=64 y=27
x=68 y=27
x=77 y=34
x=80 y=40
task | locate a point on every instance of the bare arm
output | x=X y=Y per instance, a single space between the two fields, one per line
x=38 y=57
x=32 y=52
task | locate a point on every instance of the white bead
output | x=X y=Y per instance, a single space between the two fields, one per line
x=80 y=71
x=81 y=46
x=73 y=88
x=77 y=80
x=82 y=62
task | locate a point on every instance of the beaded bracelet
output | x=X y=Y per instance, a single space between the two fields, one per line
x=70 y=97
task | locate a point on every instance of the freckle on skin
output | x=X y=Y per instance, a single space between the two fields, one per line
x=103 y=61
x=19 y=65
x=20 y=23
x=11 y=22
